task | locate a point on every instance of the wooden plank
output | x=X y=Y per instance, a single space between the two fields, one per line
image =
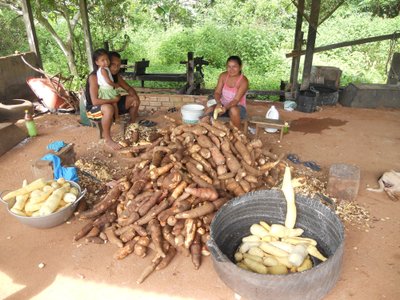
x=86 y=32
x=155 y=77
x=30 y=30
x=265 y=121
x=312 y=35
x=394 y=35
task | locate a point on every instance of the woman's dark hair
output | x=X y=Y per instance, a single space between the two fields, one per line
x=234 y=58
x=96 y=54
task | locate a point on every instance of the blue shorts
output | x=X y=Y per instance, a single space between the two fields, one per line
x=243 y=113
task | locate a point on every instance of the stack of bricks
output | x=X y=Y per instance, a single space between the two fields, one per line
x=163 y=102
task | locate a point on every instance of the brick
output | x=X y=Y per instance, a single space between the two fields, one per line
x=163 y=99
x=155 y=103
x=153 y=99
x=343 y=181
x=145 y=102
x=167 y=104
x=188 y=100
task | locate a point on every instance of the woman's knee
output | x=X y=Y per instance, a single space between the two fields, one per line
x=234 y=112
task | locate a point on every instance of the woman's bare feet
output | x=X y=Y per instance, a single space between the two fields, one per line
x=113 y=145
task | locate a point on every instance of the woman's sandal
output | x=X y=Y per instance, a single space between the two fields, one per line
x=293 y=158
x=312 y=165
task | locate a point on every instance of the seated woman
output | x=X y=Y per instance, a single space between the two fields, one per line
x=104 y=109
x=230 y=92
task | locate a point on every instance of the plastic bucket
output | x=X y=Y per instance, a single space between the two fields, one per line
x=191 y=113
x=232 y=222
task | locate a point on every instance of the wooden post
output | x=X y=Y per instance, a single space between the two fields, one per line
x=312 y=35
x=394 y=72
x=190 y=69
x=378 y=38
x=298 y=39
x=86 y=32
x=30 y=30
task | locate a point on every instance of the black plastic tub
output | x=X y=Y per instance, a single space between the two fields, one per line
x=326 y=95
x=232 y=223
x=307 y=101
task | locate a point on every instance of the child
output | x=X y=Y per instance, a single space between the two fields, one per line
x=105 y=81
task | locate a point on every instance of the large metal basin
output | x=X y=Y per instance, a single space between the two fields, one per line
x=51 y=220
x=232 y=223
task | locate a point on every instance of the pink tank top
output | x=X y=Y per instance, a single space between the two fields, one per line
x=228 y=93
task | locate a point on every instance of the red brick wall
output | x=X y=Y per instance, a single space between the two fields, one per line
x=163 y=101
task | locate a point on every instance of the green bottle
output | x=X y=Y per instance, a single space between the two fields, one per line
x=30 y=124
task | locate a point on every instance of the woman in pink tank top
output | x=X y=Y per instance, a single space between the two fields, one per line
x=231 y=90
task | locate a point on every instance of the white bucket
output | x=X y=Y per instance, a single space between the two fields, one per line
x=191 y=113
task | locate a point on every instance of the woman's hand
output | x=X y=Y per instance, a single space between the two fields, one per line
x=221 y=109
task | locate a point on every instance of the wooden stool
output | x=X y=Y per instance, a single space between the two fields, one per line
x=123 y=121
x=270 y=123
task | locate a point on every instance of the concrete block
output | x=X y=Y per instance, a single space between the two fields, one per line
x=344 y=181
x=10 y=136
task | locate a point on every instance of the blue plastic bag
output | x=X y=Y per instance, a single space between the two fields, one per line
x=68 y=173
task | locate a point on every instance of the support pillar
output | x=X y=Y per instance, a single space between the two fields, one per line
x=312 y=35
x=298 y=40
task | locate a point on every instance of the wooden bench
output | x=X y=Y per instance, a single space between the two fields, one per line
x=262 y=122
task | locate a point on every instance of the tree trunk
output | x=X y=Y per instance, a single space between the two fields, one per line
x=65 y=47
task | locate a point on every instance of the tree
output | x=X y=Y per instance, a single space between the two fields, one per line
x=15 y=38
x=48 y=13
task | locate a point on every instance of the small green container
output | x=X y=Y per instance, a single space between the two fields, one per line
x=286 y=128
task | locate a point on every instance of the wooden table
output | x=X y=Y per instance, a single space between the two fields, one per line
x=265 y=123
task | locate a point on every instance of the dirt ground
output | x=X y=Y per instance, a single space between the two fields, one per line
x=368 y=138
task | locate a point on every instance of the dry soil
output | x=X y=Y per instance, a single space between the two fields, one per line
x=368 y=138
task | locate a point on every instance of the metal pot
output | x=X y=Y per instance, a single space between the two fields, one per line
x=51 y=220
x=232 y=222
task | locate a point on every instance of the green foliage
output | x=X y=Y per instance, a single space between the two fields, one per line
x=380 y=8
x=163 y=31
x=12 y=32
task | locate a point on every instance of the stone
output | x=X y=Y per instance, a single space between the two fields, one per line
x=344 y=181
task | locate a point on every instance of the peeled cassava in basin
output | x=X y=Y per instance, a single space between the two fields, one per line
x=52 y=220
x=232 y=222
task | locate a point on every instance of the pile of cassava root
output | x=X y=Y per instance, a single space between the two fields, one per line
x=177 y=183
